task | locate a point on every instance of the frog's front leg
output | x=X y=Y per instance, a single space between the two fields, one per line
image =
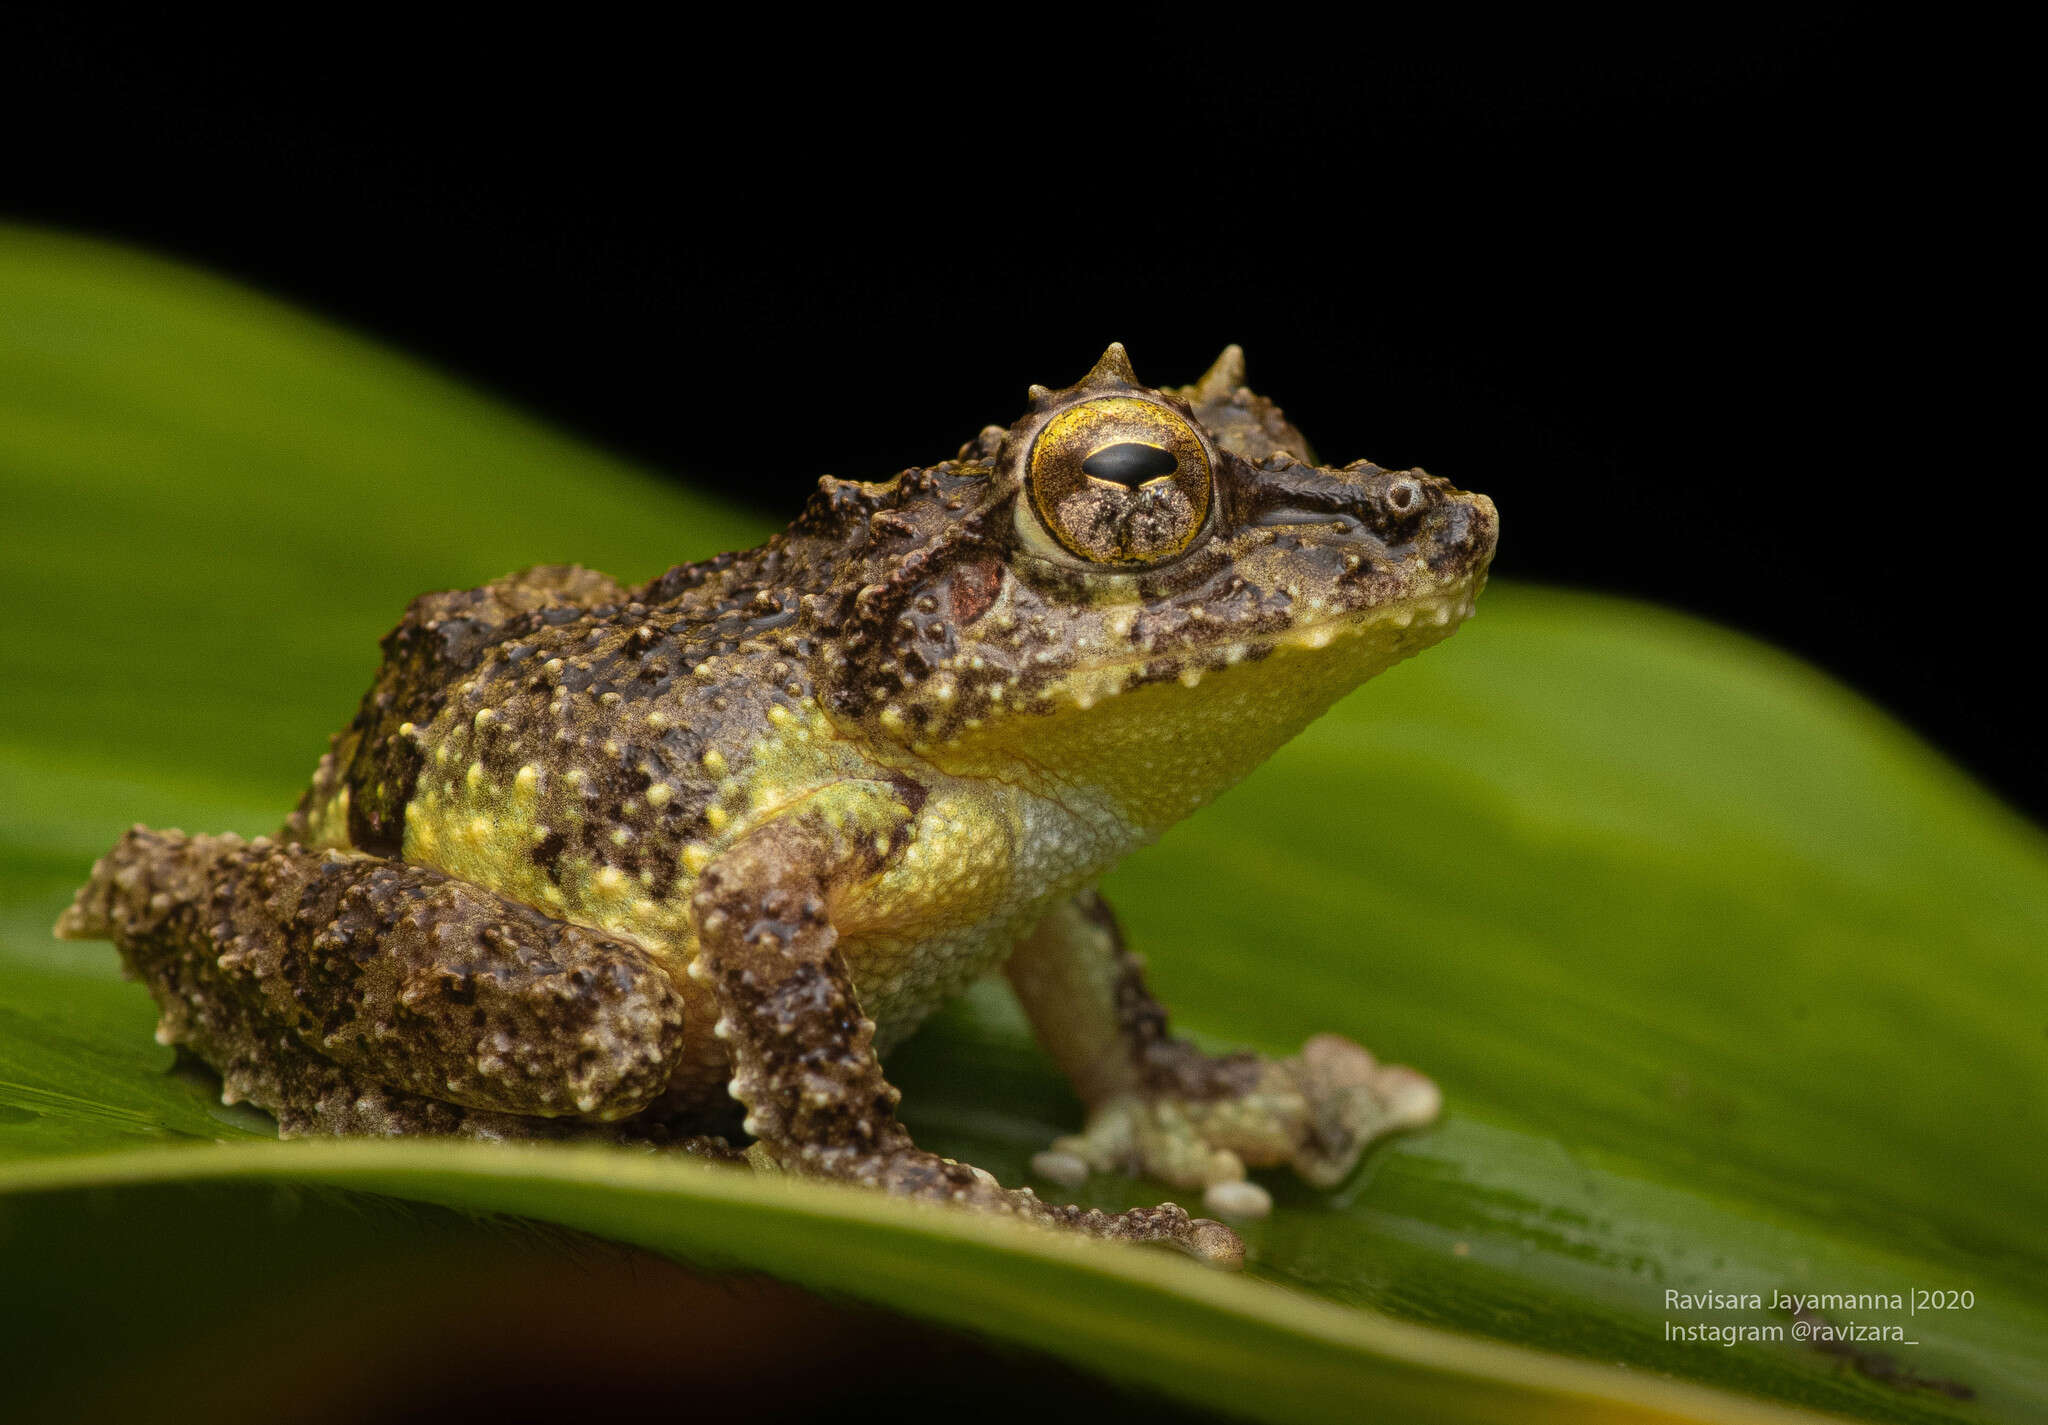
x=803 y=1059
x=1159 y=1106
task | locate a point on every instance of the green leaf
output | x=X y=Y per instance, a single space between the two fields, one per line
x=1732 y=985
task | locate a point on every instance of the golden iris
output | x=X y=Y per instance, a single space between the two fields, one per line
x=1120 y=481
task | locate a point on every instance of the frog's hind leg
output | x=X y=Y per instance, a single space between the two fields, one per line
x=1160 y=1106
x=350 y=994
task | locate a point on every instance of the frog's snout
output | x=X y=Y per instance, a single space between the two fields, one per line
x=1461 y=535
x=1448 y=530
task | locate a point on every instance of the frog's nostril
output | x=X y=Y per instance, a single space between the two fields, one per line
x=1402 y=494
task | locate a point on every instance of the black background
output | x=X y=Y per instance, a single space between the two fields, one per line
x=1709 y=304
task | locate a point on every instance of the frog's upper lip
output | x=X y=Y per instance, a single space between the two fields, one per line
x=1451 y=604
x=1437 y=608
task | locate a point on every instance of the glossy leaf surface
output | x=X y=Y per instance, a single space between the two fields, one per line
x=1732 y=986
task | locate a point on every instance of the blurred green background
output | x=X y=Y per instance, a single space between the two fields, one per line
x=1732 y=986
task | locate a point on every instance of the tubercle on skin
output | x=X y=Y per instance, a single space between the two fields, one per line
x=474 y=826
x=964 y=719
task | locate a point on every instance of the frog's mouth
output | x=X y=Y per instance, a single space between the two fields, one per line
x=1352 y=644
x=1443 y=608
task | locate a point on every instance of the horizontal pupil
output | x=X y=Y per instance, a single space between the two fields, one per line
x=1130 y=463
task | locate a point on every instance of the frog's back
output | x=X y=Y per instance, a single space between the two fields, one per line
x=580 y=746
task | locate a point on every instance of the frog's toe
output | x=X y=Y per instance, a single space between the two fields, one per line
x=1059 y=1165
x=1354 y=1100
x=1215 y=1244
x=1137 y=1136
x=1238 y=1198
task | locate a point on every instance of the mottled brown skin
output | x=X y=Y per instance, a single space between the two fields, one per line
x=642 y=862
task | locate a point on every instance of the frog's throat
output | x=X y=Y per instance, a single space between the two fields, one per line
x=1155 y=748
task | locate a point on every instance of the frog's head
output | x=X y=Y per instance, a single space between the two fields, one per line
x=1142 y=591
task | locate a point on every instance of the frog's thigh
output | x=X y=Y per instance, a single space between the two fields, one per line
x=301 y=975
x=1160 y=1105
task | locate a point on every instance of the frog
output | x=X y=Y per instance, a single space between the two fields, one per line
x=679 y=863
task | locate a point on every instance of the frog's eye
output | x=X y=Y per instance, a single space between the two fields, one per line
x=1120 y=481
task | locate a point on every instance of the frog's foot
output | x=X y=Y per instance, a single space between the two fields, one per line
x=1317 y=1112
x=1159 y=1106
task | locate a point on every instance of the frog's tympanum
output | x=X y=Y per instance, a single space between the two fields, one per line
x=680 y=862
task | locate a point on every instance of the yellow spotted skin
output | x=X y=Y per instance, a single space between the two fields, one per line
x=816 y=788
x=919 y=662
